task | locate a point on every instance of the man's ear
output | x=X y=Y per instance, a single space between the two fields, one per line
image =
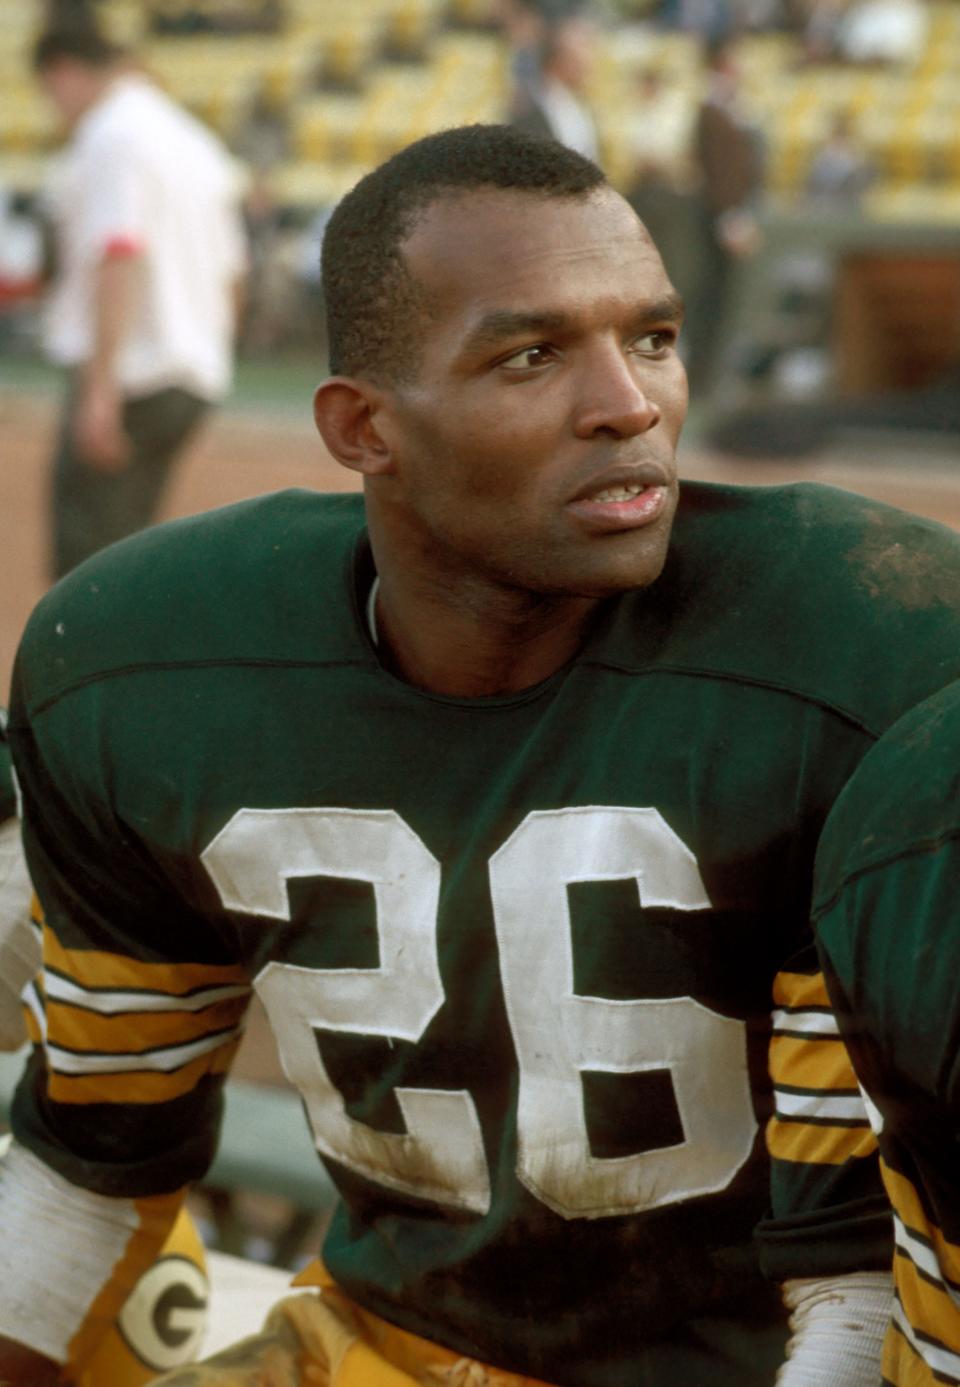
x=345 y=411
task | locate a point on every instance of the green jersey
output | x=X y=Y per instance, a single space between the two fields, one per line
x=887 y=912
x=518 y=951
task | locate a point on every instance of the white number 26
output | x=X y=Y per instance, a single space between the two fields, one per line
x=557 y=1032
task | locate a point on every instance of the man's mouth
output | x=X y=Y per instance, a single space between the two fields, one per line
x=621 y=503
x=619 y=493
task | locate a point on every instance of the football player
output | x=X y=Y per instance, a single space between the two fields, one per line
x=886 y=911
x=501 y=786
x=162 y=1321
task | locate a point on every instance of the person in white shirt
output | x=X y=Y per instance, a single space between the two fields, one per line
x=149 y=259
x=555 y=105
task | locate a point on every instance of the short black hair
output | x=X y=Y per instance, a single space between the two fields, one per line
x=79 y=40
x=372 y=303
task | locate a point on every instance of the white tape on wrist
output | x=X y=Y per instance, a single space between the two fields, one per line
x=59 y=1247
x=837 y=1329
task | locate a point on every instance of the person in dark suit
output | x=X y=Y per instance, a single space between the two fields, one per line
x=729 y=156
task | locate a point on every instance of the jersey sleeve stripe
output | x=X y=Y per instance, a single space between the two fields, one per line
x=96 y=972
x=943 y=1362
x=34 y=1013
x=819 y=1107
x=139 y=1086
x=810 y=1063
x=112 y=1002
x=809 y=1143
x=915 y=1223
x=799 y=991
x=819 y=1114
x=804 y=1022
x=919 y=1251
x=88 y=1032
x=165 y=1058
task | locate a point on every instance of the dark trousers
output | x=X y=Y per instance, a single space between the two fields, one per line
x=90 y=508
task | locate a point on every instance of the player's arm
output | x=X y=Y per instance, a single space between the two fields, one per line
x=829 y=1240
x=119 y=1107
x=114 y=223
x=892 y=916
x=98 y=420
x=72 y=1252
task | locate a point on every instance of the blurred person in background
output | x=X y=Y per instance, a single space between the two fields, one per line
x=840 y=171
x=661 y=190
x=711 y=19
x=556 y=106
x=149 y=261
x=729 y=157
x=523 y=24
x=820 y=29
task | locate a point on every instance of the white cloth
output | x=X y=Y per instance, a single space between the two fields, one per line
x=569 y=120
x=242 y=1294
x=141 y=173
x=837 y=1326
x=75 y=1239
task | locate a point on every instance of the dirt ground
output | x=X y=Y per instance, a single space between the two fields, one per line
x=241 y=453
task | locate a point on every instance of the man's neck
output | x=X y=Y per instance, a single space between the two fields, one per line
x=467 y=647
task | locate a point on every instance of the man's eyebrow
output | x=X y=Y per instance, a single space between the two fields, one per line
x=669 y=309
x=504 y=324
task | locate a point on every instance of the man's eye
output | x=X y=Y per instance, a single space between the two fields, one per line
x=653 y=343
x=529 y=358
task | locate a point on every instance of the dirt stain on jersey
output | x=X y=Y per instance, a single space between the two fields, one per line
x=913 y=577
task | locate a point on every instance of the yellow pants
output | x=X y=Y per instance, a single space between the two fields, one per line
x=322 y=1339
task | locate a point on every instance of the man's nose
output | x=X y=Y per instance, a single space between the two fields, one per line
x=612 y=398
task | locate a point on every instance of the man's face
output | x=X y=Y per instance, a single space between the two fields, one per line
x=70 y=87
x=535 y=449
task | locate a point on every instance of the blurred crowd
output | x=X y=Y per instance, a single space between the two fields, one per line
x=698 y=168
x=699 y=175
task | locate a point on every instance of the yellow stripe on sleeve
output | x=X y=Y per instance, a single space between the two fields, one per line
x=800 y=990
x=820 y=1118
x=92 y=968
x=811 y=1062
x=140 y=1086
x=928 y=1307
x=77 y=1029
x=902 y=1365
x=906 y=1201
x=818 y=1145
